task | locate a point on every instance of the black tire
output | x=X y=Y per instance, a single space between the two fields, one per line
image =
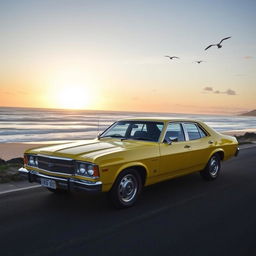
x=212 y=169
x=126 y=189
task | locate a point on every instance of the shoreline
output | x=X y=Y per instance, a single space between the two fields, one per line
x=16 y=149
x=239 y=132
x=12 y=150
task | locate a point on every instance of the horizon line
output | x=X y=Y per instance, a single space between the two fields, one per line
x=124 y=111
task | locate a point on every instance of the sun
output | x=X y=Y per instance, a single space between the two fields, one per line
x=73 y=97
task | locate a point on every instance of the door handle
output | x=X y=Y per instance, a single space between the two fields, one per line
x=210 y=142
x=186 y=146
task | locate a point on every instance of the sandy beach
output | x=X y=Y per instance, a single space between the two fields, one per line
x=12 y=150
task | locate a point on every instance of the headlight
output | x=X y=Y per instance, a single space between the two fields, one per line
x=90 y=170
x=82 y=169
x=32 y=160
x=87 y=169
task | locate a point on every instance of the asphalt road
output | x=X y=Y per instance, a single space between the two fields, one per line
x=184 y=216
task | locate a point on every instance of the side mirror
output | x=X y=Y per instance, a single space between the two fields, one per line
x=168 y=141
x=98 y=135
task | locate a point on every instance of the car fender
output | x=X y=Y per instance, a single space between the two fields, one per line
x=216 y=150
x=130 y=165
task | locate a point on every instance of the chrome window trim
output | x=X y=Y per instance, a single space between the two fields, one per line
x=185 y=131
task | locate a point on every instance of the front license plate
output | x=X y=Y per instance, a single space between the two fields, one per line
x=48 y=183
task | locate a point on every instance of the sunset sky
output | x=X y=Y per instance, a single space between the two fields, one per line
x=109 y=55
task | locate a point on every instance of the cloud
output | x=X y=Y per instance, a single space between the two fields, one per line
x=248 y=57
x=230 y=92
x=227 y=92
x=208 y=88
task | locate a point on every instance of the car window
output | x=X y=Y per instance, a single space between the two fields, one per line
x=202 y=132
x=160 y=126
x=138 y=127
x=136 y=130
x=174 y=132
x=119 y=129
x=192 y=130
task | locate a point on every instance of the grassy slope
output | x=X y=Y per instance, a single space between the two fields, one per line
x=9 y=172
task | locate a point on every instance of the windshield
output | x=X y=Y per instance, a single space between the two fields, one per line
x=136 y=130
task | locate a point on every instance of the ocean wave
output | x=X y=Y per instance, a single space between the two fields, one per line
x=26 y=125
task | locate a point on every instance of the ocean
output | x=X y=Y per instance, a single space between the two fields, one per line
x=37 y=125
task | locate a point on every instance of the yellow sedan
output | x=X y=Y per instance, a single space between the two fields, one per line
x=130 y=154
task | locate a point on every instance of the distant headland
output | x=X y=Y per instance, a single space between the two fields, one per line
x=250 y=113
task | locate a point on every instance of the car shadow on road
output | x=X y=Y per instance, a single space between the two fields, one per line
x=151 y=197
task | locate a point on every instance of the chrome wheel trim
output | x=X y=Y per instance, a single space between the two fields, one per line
x=214 y=166
x=127 y=188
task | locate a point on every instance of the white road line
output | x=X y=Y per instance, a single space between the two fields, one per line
x=19 y=189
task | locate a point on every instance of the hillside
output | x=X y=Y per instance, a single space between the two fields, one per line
x=250 y=113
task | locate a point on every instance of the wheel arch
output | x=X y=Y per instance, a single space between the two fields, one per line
x=220 y=152
x=139 y=167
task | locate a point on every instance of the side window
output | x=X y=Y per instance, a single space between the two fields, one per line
x=202 y=132
x=174 y=132
x=160 y=126
x=137 y=127
x=193 y=132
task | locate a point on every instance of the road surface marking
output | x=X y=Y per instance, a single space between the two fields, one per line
x=19 y=189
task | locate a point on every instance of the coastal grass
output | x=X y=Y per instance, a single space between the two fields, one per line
x=9 y=172
x=247 y=138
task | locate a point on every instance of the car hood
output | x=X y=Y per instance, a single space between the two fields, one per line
x=88 y=150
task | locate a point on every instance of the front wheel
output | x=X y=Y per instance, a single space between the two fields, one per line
x=212 y=169
x=126 y=189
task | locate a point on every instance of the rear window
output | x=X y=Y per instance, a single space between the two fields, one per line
x=192 y=130
x=202 y=132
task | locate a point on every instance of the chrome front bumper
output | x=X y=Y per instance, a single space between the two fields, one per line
x=63 y=183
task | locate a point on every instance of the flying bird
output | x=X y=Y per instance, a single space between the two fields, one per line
x=199 y=61
x=219 y=44
x=171 y=57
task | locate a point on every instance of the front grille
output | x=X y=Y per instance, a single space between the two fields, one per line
x=56 y=165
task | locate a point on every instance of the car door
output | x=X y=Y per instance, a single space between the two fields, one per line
x=197 y=145
x=174 y=151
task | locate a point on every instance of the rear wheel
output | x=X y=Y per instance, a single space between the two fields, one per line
x=126 y=189
x=212 y=169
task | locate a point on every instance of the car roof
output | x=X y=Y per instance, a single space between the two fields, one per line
x=160 y=119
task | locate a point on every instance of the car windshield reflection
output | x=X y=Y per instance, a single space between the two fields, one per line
x=135 y=130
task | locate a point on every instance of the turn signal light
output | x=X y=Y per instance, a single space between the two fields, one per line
x=25 y=159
